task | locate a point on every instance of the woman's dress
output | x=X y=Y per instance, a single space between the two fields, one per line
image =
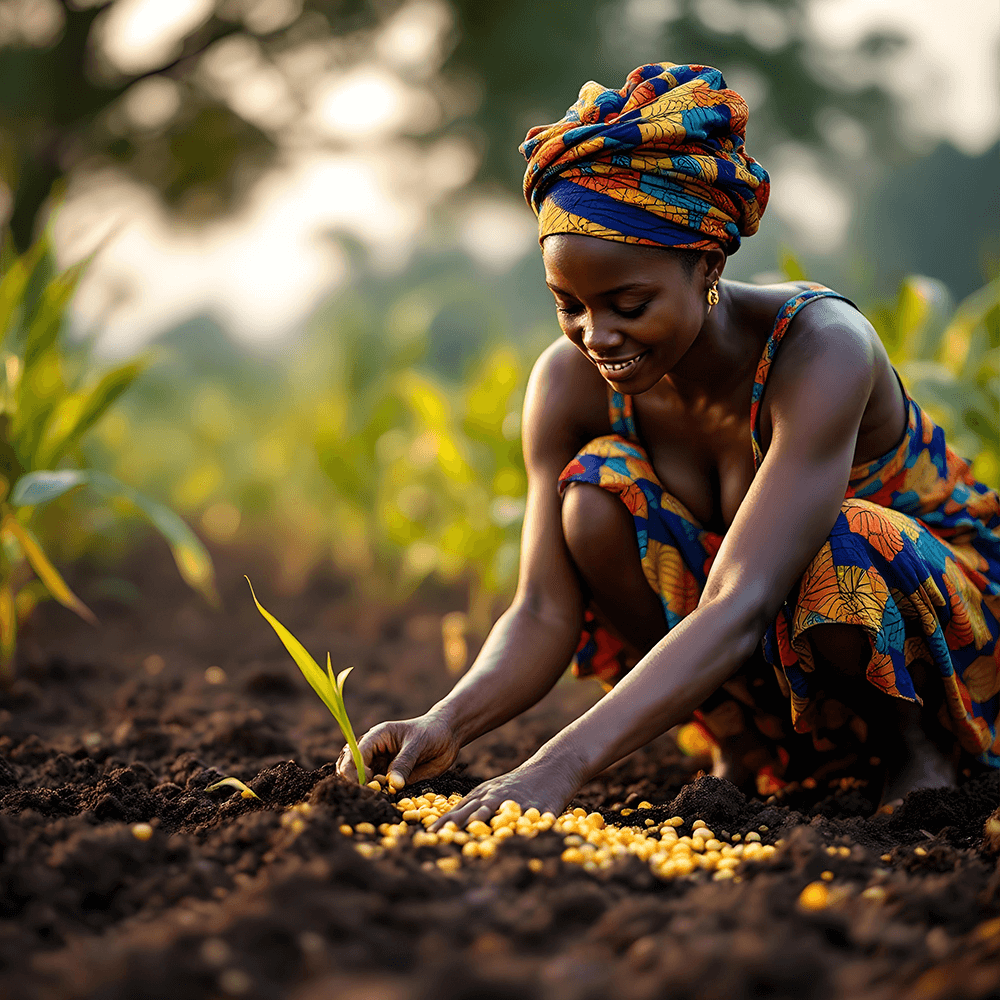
x=913 y=559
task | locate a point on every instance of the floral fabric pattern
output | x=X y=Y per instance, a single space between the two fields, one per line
x=913 y=559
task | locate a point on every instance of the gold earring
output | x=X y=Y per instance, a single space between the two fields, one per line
x=712 y=295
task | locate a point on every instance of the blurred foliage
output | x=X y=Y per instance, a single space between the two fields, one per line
x=189 y=115
x=49 y=401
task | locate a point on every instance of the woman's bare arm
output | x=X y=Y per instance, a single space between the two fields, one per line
x=532 y=643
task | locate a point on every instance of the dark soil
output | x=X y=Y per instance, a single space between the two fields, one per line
x=115 y=726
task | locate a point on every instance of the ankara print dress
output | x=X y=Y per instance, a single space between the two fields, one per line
x=913 y=559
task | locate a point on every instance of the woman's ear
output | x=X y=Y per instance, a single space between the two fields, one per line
x=714 y=263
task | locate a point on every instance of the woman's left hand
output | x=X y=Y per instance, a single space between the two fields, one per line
x=545 y=786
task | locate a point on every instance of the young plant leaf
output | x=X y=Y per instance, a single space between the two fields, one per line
x=35 y=489
x=330 y=693
x=246 y=791
x=47 y=573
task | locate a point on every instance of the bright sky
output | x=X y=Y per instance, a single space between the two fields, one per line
x=263 y=271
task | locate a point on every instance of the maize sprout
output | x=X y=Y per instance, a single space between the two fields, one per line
x=245 y=791
x=329 y=688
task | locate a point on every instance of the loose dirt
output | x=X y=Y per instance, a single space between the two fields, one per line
x=228 y=896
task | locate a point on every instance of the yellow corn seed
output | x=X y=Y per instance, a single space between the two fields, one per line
x=844 y=852
x=886 y=857
x=645 y=805
x=445 y=836
x=532 y=815
x=920 y=851
x=374 y=786
x=142 y=831
x=459 y=837
x=535 y=865
x=832 y=851
x=874 y=894
x=388 y=842
x=753 y=836
x=815 y=896
x=675 y=821
x=412 y=815
x=471 y=849
x=478 y=828
x=698 y=824
x=503 y=833
x=826 y=876
x=365 y=828
x=722 y=874
x=762 y=828
x=572 y=855
x=448 y=865
x=713 y=845
x=487 y=848
x=346 y=829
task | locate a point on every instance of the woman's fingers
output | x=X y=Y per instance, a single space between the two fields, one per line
x=379 y=740
x=479 y=804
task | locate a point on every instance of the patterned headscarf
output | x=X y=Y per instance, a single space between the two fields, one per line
x=659 y=162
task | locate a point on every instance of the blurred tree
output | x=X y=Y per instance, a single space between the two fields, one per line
x=176 y=94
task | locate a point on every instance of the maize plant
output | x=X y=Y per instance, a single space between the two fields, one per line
x=47 y=405
x=329 y=688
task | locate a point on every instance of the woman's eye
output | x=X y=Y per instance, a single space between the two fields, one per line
x=634 y=313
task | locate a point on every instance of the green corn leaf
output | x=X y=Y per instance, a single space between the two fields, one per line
x=77 y=413
x=35 y=489
x=346 y=728
x=47 y=321
x=47 y=573
x=14 y=286
x=193 y=560
x=323 y=684
x=245 y=791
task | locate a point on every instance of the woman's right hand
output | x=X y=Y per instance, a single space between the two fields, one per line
x=412 y=750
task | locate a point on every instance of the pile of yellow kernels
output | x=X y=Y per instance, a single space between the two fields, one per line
x=589 y=841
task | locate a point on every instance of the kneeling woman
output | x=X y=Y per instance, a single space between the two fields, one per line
x=731 y=495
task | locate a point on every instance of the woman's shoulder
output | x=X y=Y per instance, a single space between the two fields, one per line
x=566 y=397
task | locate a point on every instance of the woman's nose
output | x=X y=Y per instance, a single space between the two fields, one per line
x=599 y=336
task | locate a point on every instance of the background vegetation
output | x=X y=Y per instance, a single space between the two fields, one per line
x=383 y=433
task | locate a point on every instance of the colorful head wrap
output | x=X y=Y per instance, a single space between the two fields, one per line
x=659 y=162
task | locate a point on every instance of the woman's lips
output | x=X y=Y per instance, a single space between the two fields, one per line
x=618 y=370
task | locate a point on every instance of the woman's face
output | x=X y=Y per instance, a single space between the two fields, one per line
x=632 y=310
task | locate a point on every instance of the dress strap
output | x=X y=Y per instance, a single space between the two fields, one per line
x=785 y=316
x=621 y=417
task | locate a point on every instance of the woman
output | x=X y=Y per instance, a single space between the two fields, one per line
x=731 y=493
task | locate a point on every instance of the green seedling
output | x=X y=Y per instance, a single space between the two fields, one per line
x=329 y=688
x=245 y=791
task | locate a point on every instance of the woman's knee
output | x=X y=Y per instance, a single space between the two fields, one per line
x=595 y=520
x=844 y=647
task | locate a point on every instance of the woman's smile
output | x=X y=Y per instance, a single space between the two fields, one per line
x=620 y=371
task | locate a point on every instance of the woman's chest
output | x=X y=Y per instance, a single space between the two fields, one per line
x=702 y=452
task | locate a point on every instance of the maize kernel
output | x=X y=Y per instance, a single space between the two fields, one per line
x=142 y=831
x=448 y=865
x=365 y=828
x=815 y=896
x=535 y=865
x=826 y=876
x=471 y=849
x=753 y=836
x=346 y=829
